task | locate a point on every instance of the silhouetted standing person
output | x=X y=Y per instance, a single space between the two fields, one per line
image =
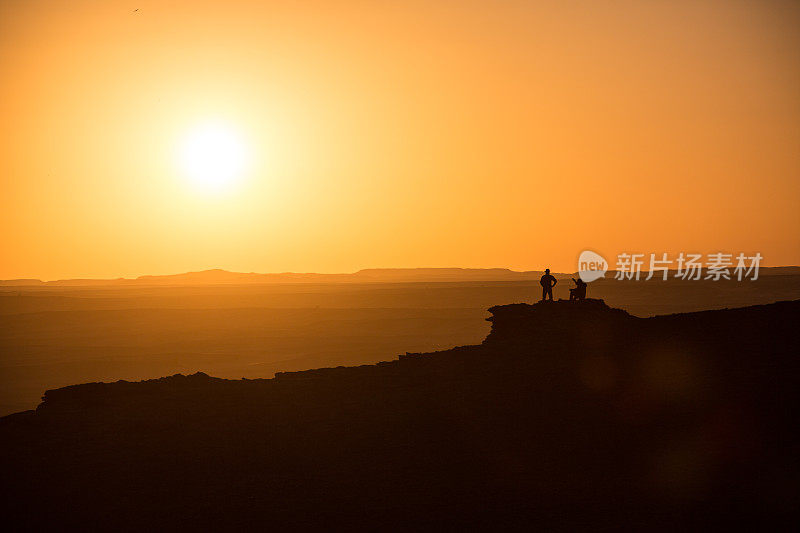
x=547 y=282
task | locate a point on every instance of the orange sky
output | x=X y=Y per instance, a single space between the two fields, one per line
x=396 y=134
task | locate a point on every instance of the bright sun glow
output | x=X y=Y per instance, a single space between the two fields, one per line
x=213 y=156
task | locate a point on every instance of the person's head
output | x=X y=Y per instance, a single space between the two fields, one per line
x=546 y=270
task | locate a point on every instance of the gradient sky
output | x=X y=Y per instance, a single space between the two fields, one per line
x=396 y=134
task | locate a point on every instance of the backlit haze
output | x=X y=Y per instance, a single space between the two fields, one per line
x=157 y=137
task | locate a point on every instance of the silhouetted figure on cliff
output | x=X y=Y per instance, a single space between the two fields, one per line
x=579 y=292
x=547 y=282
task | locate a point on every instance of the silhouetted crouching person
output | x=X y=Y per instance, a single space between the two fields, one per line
x=579 y=292
x=547 y=282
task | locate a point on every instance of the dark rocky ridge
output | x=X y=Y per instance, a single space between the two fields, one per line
x=567 y=415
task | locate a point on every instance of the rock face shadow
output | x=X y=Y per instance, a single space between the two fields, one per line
x=567 y=414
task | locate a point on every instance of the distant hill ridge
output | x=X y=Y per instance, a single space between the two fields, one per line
x=219 y=276
x=378 y=275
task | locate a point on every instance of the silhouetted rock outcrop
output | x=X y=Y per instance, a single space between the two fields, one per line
x=569 y=414
x=553 y=322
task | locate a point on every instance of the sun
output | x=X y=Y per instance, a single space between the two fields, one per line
x=213 y=156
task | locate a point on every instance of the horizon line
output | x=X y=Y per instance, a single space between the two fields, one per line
x=144 y=277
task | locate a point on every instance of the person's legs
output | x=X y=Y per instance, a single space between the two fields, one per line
x=549 y=292
x=544 y=292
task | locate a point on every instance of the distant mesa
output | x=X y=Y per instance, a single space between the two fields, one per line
x=370 y=275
